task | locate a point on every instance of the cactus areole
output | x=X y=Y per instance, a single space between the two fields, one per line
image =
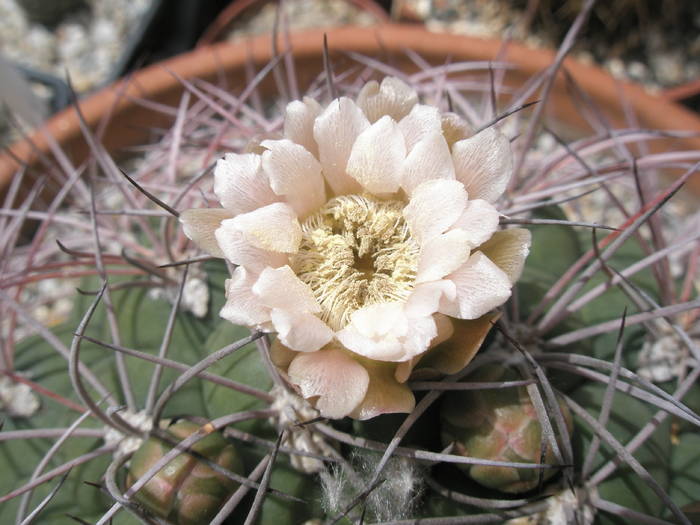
x=186 y=491
x=498 y=424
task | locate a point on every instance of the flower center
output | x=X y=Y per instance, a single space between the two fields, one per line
x=356 y=251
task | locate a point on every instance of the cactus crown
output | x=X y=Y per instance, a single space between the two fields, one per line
x=307 y=403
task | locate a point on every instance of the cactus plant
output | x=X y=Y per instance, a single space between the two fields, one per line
x=143 y=341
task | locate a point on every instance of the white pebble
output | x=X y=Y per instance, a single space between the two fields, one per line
x=17 y=399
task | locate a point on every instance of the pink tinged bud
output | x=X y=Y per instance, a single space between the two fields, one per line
x=186 y=491
x=501 y=425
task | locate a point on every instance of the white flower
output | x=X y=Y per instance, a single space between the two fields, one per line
x=356 y=235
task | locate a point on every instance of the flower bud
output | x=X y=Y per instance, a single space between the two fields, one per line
x=498 y=424
x=186 y=491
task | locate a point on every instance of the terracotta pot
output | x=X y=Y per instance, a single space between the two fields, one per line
x=129 y=122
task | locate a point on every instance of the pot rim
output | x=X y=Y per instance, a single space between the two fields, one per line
x=161 y=78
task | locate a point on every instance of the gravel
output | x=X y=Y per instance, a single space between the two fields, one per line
x=82 y=38
x=653 y=42
x=301 y=14
x=85 y=38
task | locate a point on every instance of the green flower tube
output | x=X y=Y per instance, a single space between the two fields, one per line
x=498 y=424
x=186 y=491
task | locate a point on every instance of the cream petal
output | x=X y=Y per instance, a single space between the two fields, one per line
x=253 y=144
x=442 y=255
x=200 y=224
x=484 y=163
x=240 y=183
x=456 y=352
x=281 y=288
x=281 y=356
x=299 y=120
x=295 y=174
x=385 y=395
x=302 y=332
x=379 y=319
x=393 y=97
x=481 y=287
x=239 y=251
x=242 y=306
x=449 y=305
x=335 y=132
x=381 y=348
x=508 y=249
x=404 y=369
x=454 y=128
x=423 y=331
x=430 y=159
x=377 y=156
x=339 y=382
x=383 y=332
x=421 y=121
x=434 y=206
x=274 y=227
x=427 y=298
x=445 y=330
x=479 y=220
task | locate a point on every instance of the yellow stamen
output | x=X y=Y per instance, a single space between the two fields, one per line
x=356 y=251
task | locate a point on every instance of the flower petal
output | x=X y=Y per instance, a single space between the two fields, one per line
x=274 y=227
x=454 y=128
x=242 y=306
x=281 y=356
x=484 y=163
x=240 y=183
x=383 y=332
x=404 y=369
x=294 y=173
x=393 y=97
x=299 y=120
x=302 y=332
x=434 y=206
x=429 y=159
x=481 y=287
x=445 y=329
x=383 y=349
x=421 y=121
x=339 y=382
x=239 y=251
x=377 y=156
x=200 y=224
x=479 y=220
x=442 y=255
x=385 y=395
x=508 y=249
x=456 y=352
x=427 y=298
x=444 y=332
x=379 y=319
x=281 y=288
x=335 y=131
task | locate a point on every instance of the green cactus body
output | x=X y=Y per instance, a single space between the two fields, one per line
x=186 y=491
x=497 y=424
